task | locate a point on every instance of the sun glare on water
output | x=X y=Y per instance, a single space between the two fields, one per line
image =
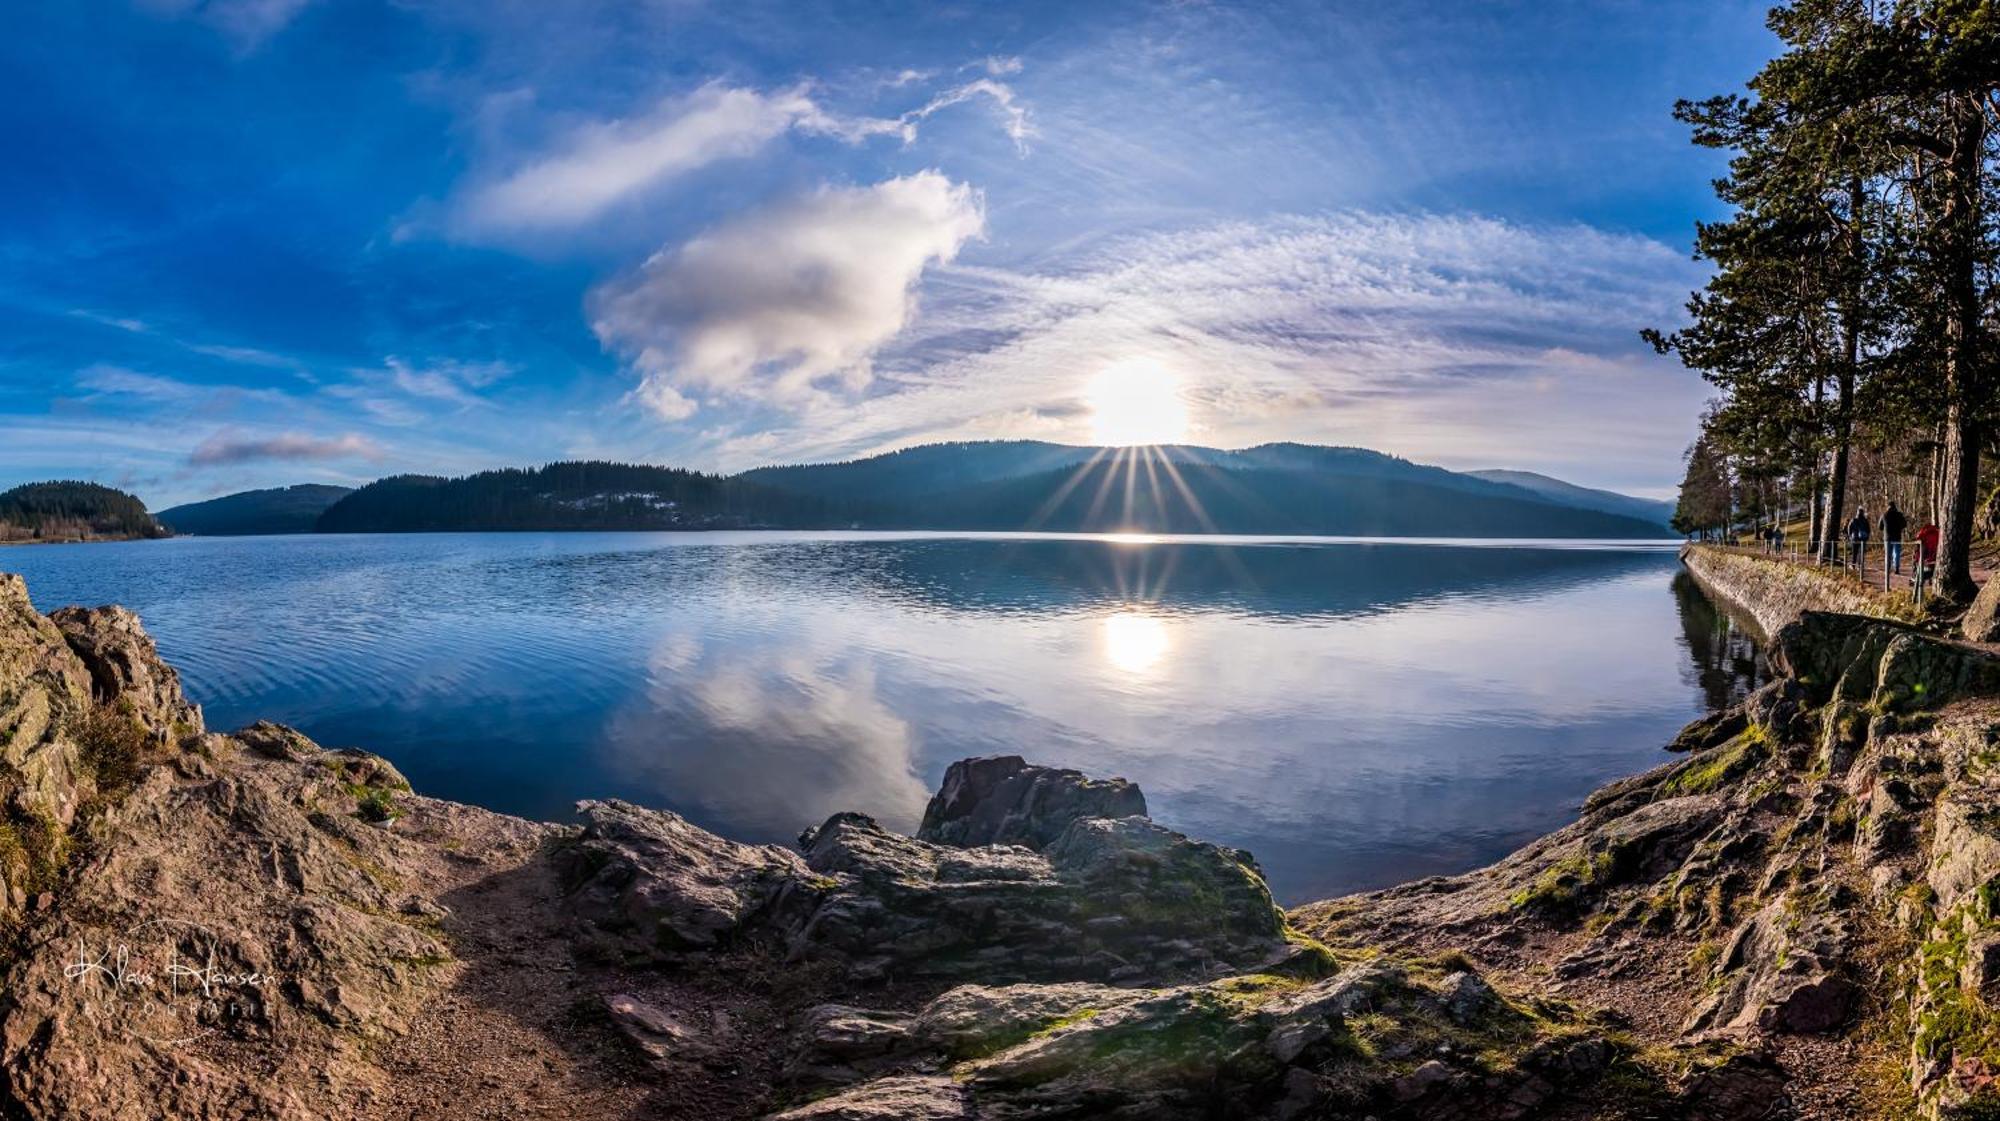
x=1137 y=401
x=1135 y=642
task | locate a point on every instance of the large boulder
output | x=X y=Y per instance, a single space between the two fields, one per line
x=45 y=697
x=277 y=741
x=1005 y=800
x=40 y=679
x=1889 y=666
x=1121 y=899
x=1982 y=619
x=649 y=884
x=1139 y=874
x=902 y=907
x=126 y=670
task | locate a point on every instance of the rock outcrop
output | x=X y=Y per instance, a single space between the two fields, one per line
x=648 y=884
x=45 y=699
x=1982 y=620
x=1112 y=898
x=126 y=669
x=1120 y=899
x=1005 y=800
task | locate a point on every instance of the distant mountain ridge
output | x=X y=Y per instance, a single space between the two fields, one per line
x=1587 y=498
x=293 y=509
x=1014 y=485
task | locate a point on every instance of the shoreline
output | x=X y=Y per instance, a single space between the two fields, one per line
x=1773 y=594
x=1123 y=537
x=1031 y=947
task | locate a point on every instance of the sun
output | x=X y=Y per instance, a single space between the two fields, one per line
x=1136 y=401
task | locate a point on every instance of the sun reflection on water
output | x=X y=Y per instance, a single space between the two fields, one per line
x=1135 y=641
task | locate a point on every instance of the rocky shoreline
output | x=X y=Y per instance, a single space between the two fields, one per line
x=1798 y=915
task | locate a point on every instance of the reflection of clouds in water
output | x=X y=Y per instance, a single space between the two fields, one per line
x=1447 y=726
x=769 y=737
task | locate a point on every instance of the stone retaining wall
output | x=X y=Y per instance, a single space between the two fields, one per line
x=1774 y=592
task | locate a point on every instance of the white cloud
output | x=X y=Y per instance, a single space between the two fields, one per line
x=1014 y=115
x=226 y=448
x=603 y=163
x=776 y=301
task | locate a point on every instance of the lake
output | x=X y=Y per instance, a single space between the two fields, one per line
x=1355 y=713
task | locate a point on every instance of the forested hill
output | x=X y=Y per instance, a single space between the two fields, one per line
x=294 y=509
x=1270 y=488
x=1204 y=498
x=566 y=496
x=73 y=511
x=1010 y=485
x=917 y=473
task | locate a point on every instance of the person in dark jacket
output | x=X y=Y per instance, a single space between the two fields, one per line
x=1892 y=536
x=1857 y=537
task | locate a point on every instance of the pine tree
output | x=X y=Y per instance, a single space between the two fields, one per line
x=1705 y=504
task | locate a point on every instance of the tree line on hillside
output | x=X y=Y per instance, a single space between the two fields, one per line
x=576 y=496
x=921 y=490
x=1850 y=323
x=68 y=510
x=1109 y=495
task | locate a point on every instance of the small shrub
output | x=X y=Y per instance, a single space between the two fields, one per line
x=112 y=746
x=373 y=803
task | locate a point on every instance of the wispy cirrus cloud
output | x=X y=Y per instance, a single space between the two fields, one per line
x=403 y=392
x=1448 y=337
x=246 y=24
x=777 y=300
x=226 y=352
x=228 y=448
x=105 y=378
x=600 y=164
x=451 y=380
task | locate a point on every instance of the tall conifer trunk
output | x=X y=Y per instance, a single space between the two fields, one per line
x=1961 y=229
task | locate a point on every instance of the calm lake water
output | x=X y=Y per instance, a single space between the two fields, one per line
x=1354 y=713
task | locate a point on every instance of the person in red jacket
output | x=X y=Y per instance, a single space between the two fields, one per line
x=1927 y=550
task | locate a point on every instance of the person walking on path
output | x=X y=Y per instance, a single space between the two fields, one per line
x=1927 y=547
x=1857 y=537
x=1892 y=536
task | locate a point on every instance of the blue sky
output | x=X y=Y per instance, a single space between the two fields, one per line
x=256 y=242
